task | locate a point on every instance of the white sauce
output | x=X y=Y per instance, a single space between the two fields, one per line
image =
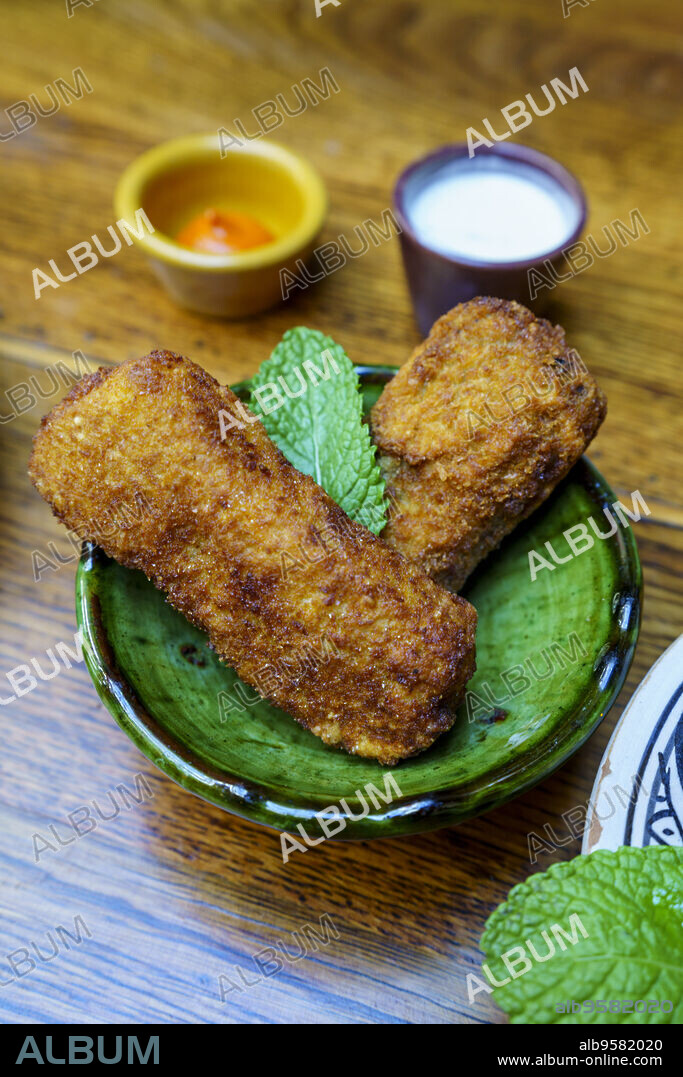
x=492 y=214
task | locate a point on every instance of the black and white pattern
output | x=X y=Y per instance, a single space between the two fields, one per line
x=655 y=815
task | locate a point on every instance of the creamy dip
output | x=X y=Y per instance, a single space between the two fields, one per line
x=507 y=212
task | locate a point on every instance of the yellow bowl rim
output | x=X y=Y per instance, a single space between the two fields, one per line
x=158 y=159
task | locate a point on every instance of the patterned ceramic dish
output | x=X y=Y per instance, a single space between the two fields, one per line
x=177 y=180
x=637 y=798
x=551 y=654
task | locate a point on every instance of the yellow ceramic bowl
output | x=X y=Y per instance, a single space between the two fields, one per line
x=177 y=180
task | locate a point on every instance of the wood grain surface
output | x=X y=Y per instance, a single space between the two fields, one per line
x=174 y=892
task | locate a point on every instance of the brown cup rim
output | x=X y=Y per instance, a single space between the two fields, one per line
x=517 y=152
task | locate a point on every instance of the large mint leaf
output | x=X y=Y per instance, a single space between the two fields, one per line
x=630 y=906
x=307 y=396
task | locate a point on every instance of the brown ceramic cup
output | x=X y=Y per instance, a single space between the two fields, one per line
x=439 y=281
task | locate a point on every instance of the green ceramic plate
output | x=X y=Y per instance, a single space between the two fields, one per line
x=551 y=657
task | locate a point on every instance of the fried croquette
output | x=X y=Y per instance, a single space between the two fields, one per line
x=476 y=430
x=391 y=650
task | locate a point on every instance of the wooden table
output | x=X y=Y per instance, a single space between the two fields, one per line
x=174 y=893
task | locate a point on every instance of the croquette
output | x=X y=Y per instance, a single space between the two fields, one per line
x=222 y=507
x=476 y=430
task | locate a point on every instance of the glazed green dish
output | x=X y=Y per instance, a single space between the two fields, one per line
x=552 y=655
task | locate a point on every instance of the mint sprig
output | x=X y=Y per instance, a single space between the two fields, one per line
x=307 y=397
x=629 y=946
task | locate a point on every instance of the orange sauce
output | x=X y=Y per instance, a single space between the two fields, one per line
x=223 y=232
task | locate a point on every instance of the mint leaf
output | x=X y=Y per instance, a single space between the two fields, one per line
x=630 y=907
x=307 y=397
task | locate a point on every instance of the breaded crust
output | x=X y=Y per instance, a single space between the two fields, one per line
x=358 y=645
x=477 y=429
